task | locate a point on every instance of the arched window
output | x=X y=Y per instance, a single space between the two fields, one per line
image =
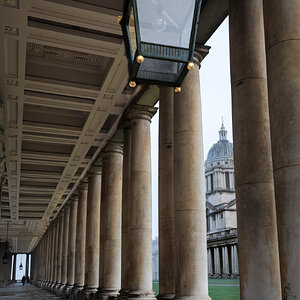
x=211 y=182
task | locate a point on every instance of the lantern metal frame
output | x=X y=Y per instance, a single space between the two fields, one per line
x=156 y=51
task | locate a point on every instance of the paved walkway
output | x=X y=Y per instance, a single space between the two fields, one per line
x=28 y=292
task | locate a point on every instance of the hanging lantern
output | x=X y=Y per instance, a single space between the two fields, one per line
x=21 y=266
x=160 y=37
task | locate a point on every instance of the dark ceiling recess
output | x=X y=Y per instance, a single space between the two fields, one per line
x=111 y=119
x=90 y=153
x=110 y=4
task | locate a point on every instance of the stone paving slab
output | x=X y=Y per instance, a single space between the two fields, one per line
x=27 y=292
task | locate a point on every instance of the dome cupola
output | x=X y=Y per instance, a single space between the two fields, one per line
x=222 y=150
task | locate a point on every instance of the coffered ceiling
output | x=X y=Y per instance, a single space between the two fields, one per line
x=63 y=88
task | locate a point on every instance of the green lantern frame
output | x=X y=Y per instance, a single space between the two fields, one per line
x=147 y=50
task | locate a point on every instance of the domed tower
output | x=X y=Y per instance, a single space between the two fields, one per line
x=221 y=209
x=219 y=171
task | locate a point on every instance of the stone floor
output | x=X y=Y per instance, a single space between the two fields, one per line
x=28 y=292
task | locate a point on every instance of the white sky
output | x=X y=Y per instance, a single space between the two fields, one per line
x=216 y=103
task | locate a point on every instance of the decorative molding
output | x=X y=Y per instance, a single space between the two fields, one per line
x=11 y=3
x=12 y=30
x=49 y=53
x=12 y=97
x=12 y=82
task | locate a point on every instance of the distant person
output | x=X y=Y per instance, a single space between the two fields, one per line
x=23 y=280
x=27 y=279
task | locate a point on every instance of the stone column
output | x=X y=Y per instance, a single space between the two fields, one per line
x=140 y=256
x=71 y=246
x=217 y=262
x=52 y=250
x=225 y=261
x=92 y=232
x=166 y=195
x=27 y=265
x=112 y=222
x=55 y=244
x=232 y=260
x=14 y=268
x=189 y=191
x=126 y=204
x=64 y=260
x=210 y=263
x=48 y=260
x=80 y=238
x=236 y=261
x=102 y=221
x=59 y=252
x=282 y=30
x=256 y=213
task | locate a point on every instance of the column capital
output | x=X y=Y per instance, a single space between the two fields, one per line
x=74 y=197
x=83 y=184
x=95 y=170
x=199 y=53
x=141 y=112
x=112 y=147
x=66 y=207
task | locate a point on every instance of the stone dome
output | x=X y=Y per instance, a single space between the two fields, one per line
x=222 y=150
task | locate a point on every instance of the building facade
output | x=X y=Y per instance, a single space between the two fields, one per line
x=221 y=210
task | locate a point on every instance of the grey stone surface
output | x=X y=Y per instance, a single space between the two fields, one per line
x=27 y=292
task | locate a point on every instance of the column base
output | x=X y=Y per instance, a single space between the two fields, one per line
x=52 y=287
x=123 y=294
x=57 y=288
x=74 y=293
x=65 y=294
x=105 y=294
x=88 y=293
x=61 y=288
x=44 y=284
x=200 y=297
x=165 y=296
x=140 y=295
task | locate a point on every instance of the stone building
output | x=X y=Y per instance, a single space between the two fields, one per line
x=222 y=260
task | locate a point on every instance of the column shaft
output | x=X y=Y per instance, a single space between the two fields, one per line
x=141 y=211
x=14 y=268
x=112 y=221
x=27 y=265
x=64 y=264
x=71 y=245
x=60 y=252
x=256 y=213
x=126 y=200
x=80 y=237
x=189 y=190
x=166 y=194
x=102 y=221
x=282 y=29
x=93 y=232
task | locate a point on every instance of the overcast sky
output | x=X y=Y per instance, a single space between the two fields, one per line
x=216 y=103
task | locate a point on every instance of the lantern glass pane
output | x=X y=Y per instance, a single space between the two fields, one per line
x=166 y=22
x=132 y=33
x=160 y=70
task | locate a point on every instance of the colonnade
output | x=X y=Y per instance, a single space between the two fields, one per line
x=94 y=253
x=222 y=261
x=100 y=244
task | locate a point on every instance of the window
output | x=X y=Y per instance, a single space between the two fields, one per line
x=211 y=182
x=227 y=180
